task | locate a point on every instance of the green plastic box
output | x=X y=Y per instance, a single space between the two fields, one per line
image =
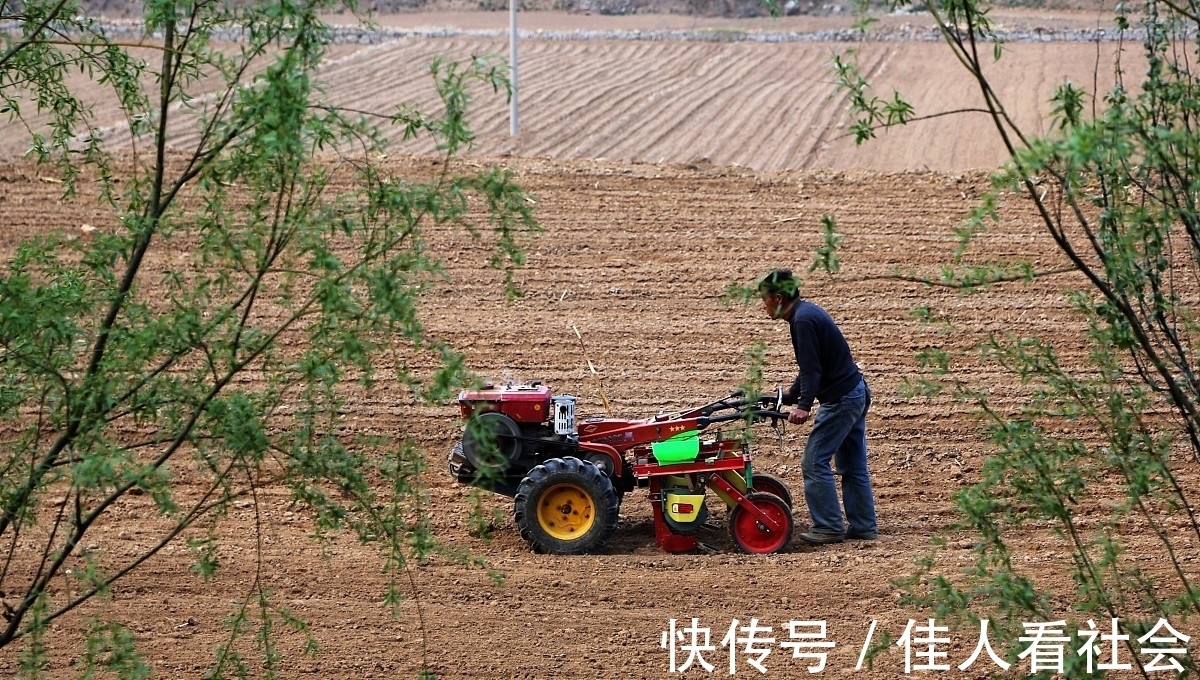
x=682 y=448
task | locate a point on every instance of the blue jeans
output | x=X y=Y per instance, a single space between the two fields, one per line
x=839 y=434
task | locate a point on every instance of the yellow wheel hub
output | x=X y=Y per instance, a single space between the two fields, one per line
x=566 y=512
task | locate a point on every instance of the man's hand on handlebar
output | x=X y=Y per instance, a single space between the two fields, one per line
x=798 y=416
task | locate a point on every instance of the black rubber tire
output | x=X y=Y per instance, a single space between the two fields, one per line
x=577 y=502
x=503 y=431
x=750 y=535
x=770 y=484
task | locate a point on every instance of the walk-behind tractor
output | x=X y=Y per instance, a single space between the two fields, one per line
x=568 y=478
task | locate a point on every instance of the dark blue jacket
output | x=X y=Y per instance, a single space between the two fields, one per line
x=827 y=369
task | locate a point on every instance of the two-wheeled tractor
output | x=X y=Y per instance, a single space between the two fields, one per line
x=568 y=478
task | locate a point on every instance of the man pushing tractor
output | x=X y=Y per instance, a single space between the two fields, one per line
x=829 y=376
x=568 y=478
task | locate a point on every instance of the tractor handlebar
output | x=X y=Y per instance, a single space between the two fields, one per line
x=723 y=404
x=767 y=405
x=738 y=400
x=751 y=415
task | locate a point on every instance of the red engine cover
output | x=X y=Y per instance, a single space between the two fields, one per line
x=522 y=403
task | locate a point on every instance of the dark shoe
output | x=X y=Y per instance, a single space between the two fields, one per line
x=819 y=538
x=862 y=536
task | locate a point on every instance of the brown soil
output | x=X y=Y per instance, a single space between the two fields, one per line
x=758 y=93
x=635 y=255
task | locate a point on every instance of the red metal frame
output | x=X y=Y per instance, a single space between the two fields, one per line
x=709 y=467
x=635 y=432
x=614 y=439
x=644 y=470
x=721 y=483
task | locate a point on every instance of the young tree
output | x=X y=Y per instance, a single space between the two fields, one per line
x=1115 y=187
x=125 y=367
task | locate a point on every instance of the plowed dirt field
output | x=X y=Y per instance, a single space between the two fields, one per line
x=635 y=255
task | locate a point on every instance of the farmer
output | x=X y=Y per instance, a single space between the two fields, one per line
x=829 y=376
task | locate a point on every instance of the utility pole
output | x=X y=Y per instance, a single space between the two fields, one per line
x=513 y=125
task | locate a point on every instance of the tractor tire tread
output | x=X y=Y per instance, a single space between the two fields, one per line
x=586 y=476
